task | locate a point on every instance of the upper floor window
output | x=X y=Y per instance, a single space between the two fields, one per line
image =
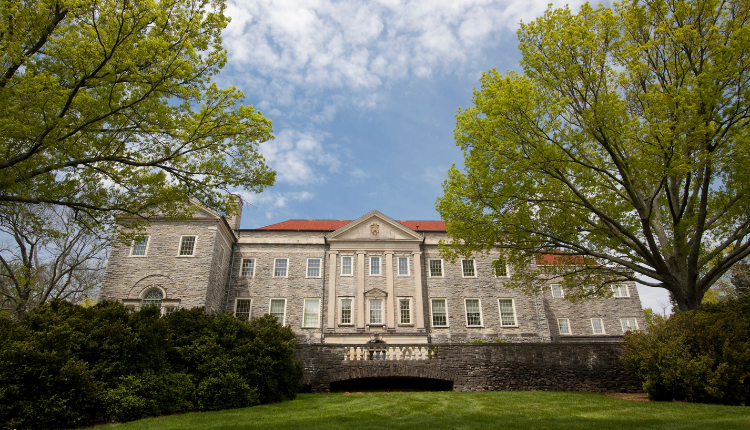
x=242 y=308
x=507 y=312
x=140 y=245
x=436 y=268
x=628 y=324
x=313 y=267
x=564 y=325
x=248 y=267
x=152 y=298
x=346 y=265
x=187 y=245
x=311 y=313
x=403 y=266
x=468 y=268
x=621 y=290
x=374 y=265
x=346 y=311
x=597 y=326
x=278 y=309
x=557 y=291
x=439 y=313
x=404 y=306
x=501 y=268
x=280 y=266
x=473 y=313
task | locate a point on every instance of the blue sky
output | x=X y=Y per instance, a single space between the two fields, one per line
x=363 y=97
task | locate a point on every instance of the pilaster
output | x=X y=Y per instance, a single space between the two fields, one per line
x=361 y=290
x=332 y=290
x=419 y=301
x=390 y=307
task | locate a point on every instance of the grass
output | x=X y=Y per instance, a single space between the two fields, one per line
x=451 y=410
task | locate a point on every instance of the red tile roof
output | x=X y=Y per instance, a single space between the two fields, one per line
x=335 y=224
x=562 y=259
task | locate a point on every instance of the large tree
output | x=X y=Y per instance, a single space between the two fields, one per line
x=624 y=145
x=108 y=106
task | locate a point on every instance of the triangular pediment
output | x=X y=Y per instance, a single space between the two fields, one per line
x=374 y=226
x=202 y=211
x=375 y=292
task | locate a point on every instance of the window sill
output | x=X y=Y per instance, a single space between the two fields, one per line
x=441 y=326
x=313 y=277
x=346 y=325
x=185 y=256
x=375 y=325
x=137 y=256
x=509 y=326
x=348 y=276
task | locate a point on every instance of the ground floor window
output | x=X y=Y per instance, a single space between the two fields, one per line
x=439 y=313
x=597 y=325
x=278 y=309
x=473 y=313
x=507 y=313
x=152 y=298
x=346 y=311
x=404 y=306
x=311 y=313
x=376 y=312
x=564 y=325
x=242 y=308
x=628 y=324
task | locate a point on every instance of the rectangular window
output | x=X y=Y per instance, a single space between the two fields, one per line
x=346 y=311
x=436 y=268
x=311 y=313
x=140 y=245
x=376 y=312
x=280 y=266
x=187 y=245
x=507 y=313
x=473 y=314
x=403 y=266
x=278 y=309
x=621 y=291
x=313 y=267
x=564 y=325
x=439 y=313
x=597 y=326
x=628 y=324
x=242 y=308
x=468 y=268
x=404 y=306
x=169 y=310
x=346 y=266
x=374 y=265
x=501 y=268
x=557 y=291
x=248 y=267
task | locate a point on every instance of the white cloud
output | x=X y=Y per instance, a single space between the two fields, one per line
x=294 y=155
x=271 y=202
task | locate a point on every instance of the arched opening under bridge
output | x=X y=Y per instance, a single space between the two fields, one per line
x=393 y=383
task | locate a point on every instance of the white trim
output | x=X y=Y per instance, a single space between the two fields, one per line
x=432 y=317
x=145 y=252
x=351 y=265
x=307 y=267
x=562 y=291
x=442 y=268
x=474 y=267
x=635 y=320
x=249 y=310
x=304 y=301
x=382 y=312
x=593 y=328
x=195 y=245
x=616 y=291
x=570 y=329
x=380 y=265
x=273 y=268
x=351 y=311
x=500 y=312
x=242 y=267
x=283 y=322
x=398 y=265
x=411 y=311
x=466 y=313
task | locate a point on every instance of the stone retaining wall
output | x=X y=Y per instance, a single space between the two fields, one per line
x=483 y=367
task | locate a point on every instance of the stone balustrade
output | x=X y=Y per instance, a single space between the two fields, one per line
x=389 y=353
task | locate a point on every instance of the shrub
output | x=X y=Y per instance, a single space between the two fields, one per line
x=696 y=356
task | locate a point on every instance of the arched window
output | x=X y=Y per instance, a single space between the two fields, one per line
x=152 y=298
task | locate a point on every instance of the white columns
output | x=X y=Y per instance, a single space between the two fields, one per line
x=390 y=307
x=418 y=305
x=361 y=289
x=332 y=290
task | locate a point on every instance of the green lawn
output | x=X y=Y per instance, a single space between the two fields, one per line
x=450 y=410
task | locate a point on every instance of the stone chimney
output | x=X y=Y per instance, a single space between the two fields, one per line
x=234 y=220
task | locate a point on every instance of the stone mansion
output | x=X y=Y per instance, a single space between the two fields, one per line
x=350 y=282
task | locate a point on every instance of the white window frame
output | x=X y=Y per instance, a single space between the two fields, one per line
x=283 y=322
x=304 y=313
x=145 y=251
x=559 y=329
x=473 y=265
x=552 y=291
x=380 y=265
x=249 y=309
x=351 y=265
x=635 y=320
x=411 y=311
x=242 y=267
x=500 y=311
x=432 y=314
x=507 y=270
x=351 y=311
x=398 y=266
x=466 y=312
x=617 y=291
x=593 y=327
x=442 y=268
x=273 y=269
x=195 y=245
x=307 y=268
x=382 y=312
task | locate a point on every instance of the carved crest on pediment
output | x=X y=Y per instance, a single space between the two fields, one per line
x=374 y=229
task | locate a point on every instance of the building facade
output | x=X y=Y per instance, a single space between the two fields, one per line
x=351 y=282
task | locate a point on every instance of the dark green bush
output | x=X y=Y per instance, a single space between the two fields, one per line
x=68 y=366
x=696 y=356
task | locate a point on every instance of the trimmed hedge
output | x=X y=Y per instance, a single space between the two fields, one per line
x=696 y=356
x=69 y=366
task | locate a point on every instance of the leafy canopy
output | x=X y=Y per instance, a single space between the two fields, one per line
x=624 y=145
x=109 y=106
